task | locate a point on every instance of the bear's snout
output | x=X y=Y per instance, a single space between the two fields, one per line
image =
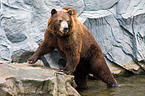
x=65 y=29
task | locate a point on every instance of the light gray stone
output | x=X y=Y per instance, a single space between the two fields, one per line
x=5 y=52
x=107 y=32
x=132 y=18
x=99 y=4
x=139 y=35
x=23 y=79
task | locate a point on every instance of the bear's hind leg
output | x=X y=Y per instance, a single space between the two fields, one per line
x=100 y=69
x=80 y=77
x=81 y=81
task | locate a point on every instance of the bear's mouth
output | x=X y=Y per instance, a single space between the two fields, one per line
x=64 y=30
x=61 y=33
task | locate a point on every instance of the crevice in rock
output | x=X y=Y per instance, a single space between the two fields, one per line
x=114 y=4
x=6 y=5
x=134 y=43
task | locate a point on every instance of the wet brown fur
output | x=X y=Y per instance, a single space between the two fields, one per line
x=78 y=47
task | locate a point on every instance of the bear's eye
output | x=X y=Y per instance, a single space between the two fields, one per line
x=60 y=21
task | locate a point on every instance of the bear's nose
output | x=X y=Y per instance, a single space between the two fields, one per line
x=65 y=29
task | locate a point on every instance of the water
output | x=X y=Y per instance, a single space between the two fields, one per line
x=129 y=86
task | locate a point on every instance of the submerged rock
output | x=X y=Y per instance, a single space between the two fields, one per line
x=24 y=79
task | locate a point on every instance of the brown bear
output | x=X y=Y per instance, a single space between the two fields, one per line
x=76 y=45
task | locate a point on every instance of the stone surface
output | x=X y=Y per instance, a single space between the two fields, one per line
x=99 y=4
x=26 y=80
x=117 y=26
x=131 y=17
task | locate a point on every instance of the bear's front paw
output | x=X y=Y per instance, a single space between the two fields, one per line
x=31 y=60
x=66 y=71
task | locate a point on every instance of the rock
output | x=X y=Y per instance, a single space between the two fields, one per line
x=117 y=31
x=107 y=32
x=99 y=4
x=132 y=19
x=117 y=25
x=4 y=46
x=24 y=79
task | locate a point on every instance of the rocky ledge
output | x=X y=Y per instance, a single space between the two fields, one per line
x=26 y=80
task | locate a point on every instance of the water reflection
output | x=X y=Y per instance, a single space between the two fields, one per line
x=129 y=86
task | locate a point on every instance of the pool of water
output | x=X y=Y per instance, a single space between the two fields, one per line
x=128 y=86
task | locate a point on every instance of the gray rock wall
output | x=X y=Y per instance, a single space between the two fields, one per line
x=117 y=25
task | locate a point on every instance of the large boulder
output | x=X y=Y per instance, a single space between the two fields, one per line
x=24 y=79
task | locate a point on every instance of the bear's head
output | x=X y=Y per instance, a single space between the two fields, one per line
x=61 y=21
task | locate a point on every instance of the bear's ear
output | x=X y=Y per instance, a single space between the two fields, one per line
x=53 y=11
x=70 y=12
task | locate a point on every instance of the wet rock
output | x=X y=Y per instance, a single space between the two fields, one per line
x=24 y=79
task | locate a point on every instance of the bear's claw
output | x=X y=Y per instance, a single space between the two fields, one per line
x=66 y=71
